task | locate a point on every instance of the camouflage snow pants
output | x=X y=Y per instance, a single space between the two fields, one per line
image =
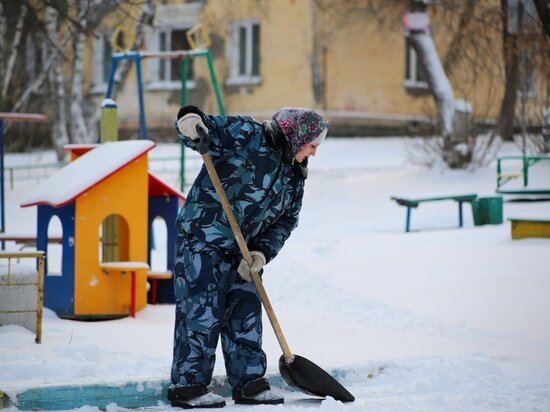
x=212 y=300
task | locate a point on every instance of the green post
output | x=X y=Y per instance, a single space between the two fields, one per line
x=109 y=121
x=109 y=133
x=499 y=171
x=184 y=74
x=215 y=84
x=525 y=171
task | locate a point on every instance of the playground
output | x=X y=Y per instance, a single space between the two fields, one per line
x=438 y=318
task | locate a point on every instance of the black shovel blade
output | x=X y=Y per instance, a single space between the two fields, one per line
x=309 y=378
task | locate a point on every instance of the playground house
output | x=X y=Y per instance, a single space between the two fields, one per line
x=105 y=185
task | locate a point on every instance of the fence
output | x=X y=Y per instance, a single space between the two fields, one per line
x=166 y=167
x=22 y=291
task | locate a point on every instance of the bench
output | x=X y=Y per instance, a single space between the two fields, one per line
x=154 y=277
x=412 y=202
x=530 y=227
x=123 y=268
x=26 y=240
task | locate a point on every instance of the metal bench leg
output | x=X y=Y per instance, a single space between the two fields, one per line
x=408 y=222
x=460 y=220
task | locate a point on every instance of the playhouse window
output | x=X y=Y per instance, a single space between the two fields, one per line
x=244 y=53
x=113 y=239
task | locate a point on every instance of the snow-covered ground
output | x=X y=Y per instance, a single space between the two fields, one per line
x=434 y=320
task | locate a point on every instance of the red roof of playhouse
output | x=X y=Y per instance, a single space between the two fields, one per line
x=90 y=169
x=158 y=188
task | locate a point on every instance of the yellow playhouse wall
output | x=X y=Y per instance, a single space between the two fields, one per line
x=124 y=194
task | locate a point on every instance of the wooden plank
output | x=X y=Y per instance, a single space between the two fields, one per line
x=529 y=227
x=414 y=201
x=23 y=117
x=159 y=275
x=27 y=240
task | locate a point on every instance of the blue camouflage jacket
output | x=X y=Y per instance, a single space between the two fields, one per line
x=263 y=185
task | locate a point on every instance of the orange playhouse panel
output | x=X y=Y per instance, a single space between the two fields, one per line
x=125 y=194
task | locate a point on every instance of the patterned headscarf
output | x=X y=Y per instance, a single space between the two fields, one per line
x=301 y=126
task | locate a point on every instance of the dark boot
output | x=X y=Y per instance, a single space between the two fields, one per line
x=257 y=392
x=191 y=397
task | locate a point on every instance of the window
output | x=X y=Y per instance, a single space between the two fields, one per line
x=102 y=63
x=415 y=75
x=166 y=73
x=245 y=53
x=522 y=17
x=527 y=82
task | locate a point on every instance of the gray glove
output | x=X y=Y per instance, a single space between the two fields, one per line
x=258 y=262
x=187 y=125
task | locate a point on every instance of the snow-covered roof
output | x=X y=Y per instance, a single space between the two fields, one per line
x=85 y=172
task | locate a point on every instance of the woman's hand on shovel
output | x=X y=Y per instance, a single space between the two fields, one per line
x=258 y=262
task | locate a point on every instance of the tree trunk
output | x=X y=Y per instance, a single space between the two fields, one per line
x=437 y=79
x=13 y=53
x=79 y=131
x=505 y=126
x=543 y=10
x=60 y=135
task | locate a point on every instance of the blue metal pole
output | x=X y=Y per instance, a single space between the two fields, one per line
x=142 y=124
x=2 y=202
x=110 y=83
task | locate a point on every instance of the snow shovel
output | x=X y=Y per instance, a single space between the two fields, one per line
x=296 y=370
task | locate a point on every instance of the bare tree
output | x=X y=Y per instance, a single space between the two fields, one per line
x=472 y=52
x=50 y=78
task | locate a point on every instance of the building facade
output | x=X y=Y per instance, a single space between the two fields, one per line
x=353 y=65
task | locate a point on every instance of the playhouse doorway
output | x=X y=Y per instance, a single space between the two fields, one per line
x=54 y=251
x=114 y=235
x=158 y=241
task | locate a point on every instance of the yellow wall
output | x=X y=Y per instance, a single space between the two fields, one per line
x=364 y=71
x=124 y=194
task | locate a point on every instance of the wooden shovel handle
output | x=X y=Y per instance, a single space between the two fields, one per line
x=243 y=247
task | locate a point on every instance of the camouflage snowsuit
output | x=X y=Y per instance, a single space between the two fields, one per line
x=265 y=191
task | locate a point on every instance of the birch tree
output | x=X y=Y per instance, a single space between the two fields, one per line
x=57 y=32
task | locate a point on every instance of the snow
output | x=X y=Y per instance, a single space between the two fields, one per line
x=439 y=83
x=437 y=319
x=81 y=174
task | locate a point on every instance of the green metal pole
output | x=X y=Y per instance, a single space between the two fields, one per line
x=184 y=73
x=525 y=171
x=109 y=121
x=214 y=79
x=499 y=171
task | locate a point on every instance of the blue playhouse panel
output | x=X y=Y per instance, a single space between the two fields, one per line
x=58 y=290
x=167 y=209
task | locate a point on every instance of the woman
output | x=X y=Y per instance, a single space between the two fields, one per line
x=262 y=167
